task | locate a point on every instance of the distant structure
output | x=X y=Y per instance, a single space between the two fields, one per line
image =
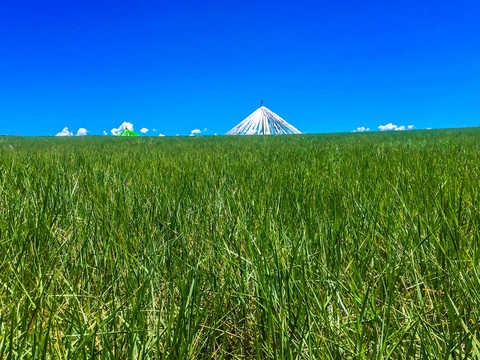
x=263 y=122
x=128 y=132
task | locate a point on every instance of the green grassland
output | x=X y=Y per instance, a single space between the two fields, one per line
x=337 y=246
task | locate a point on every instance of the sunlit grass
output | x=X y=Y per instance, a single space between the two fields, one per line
x=358 y=246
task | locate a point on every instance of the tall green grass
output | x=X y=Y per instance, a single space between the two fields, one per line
x=360 y=246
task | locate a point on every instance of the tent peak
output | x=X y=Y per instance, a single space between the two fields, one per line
x=263 y=122
x=128 y=132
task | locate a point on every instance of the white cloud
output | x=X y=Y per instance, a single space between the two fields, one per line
x=154 y=130
x=190 y=134
x=387 y=127
x=391 y=126
x=82 y=132
x=362 y=129
x=429 y=128
x=105 y=133
x=161 y=135
x=125 y=125
x=65 y=132
x=144 y=130
x=197 y=131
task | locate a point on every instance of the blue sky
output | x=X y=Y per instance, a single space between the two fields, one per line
x=175 y=66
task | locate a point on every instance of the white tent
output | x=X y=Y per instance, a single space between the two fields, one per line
x=263 y=122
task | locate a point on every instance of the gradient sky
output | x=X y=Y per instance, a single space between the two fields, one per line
x=175 y=66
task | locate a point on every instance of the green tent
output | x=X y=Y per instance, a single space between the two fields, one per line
x=127 y=132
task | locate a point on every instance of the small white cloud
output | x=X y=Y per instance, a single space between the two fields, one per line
x=190 y=134
x=197 y=131
x=82 y=132
x=429 y=128
x=125 y=125
x=410 y=127
x=65 y=132
x=161 y=135
x=400 y=128
x=387 y=127
x=361 y=129
x=144 y=130
x=105 y=133
x=154 y=130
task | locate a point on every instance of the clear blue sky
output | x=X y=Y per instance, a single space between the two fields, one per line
x=173 y=66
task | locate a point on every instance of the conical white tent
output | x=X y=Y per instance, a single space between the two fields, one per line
x=263 y=122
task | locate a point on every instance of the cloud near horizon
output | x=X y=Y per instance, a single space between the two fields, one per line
x=82 y=132
x=387 y=127
x=125 y=125
x=66 y=132
x=197 y=131
x=143 y=130
x=362 y=129
x=394 y=127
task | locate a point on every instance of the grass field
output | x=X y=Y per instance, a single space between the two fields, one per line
x=340 y=246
